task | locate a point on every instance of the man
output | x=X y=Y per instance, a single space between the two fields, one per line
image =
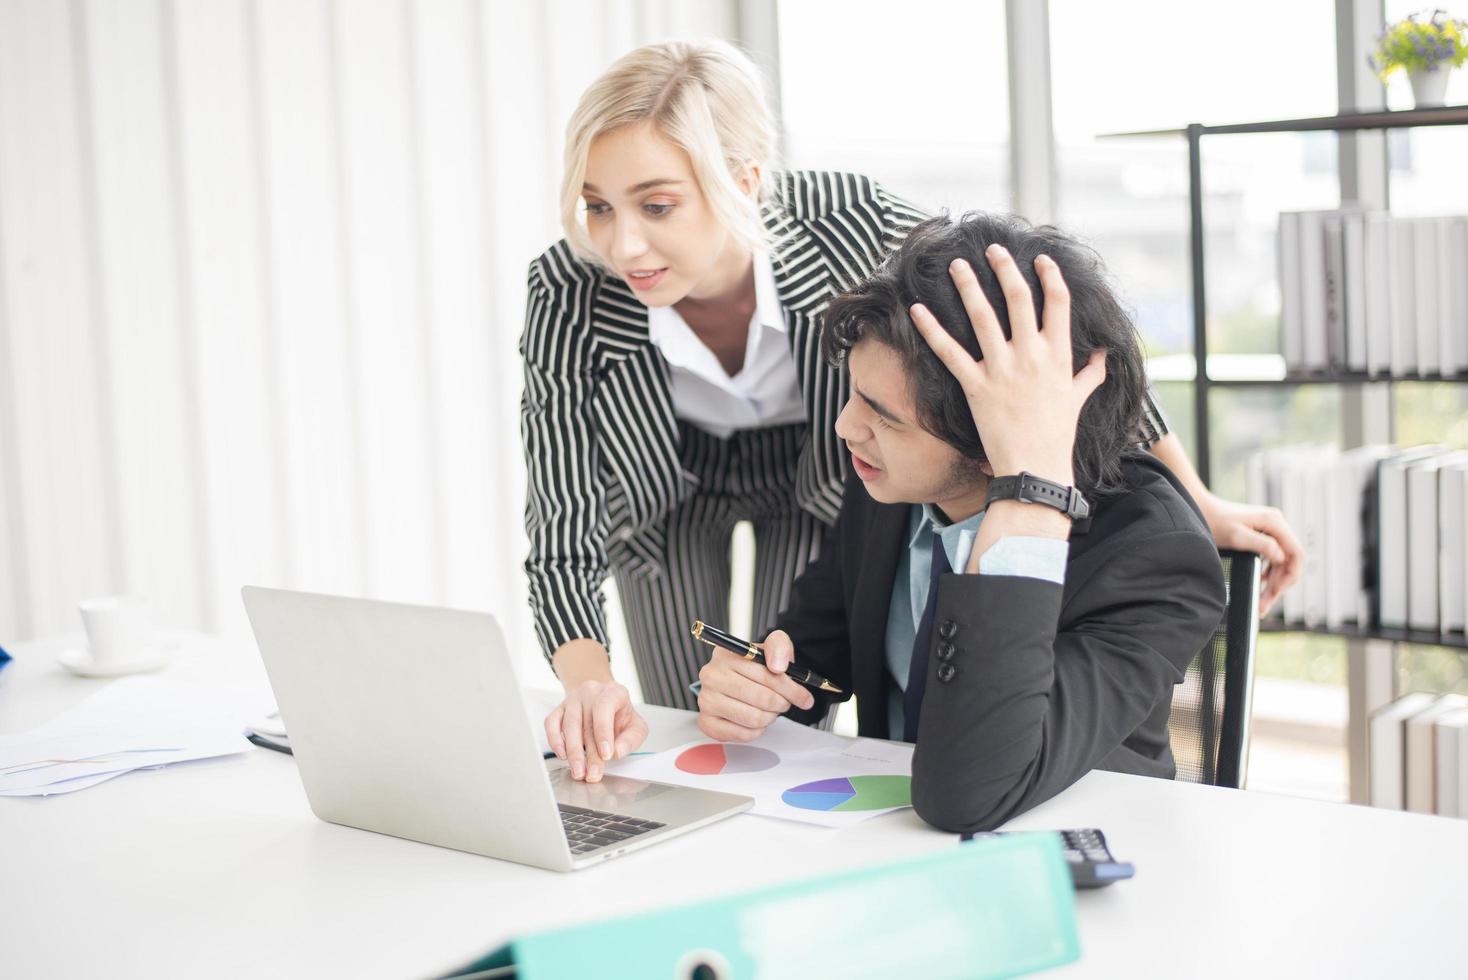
x=1078 y=594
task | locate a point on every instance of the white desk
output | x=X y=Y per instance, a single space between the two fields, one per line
x=220 y=869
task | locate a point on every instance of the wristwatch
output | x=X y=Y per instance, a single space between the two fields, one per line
x=1030 y=489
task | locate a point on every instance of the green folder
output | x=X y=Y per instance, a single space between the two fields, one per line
x=995 y=907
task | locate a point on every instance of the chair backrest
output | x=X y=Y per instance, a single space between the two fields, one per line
x=1211 y=707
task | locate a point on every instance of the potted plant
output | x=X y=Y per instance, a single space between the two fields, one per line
x=1427 y=48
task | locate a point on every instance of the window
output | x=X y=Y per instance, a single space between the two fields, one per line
x=1148 y=64
x=918 y=101
x=1145 y=65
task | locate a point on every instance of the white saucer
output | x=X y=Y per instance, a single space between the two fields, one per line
x=80 y=662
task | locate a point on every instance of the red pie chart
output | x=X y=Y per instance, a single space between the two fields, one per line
x=713 y=758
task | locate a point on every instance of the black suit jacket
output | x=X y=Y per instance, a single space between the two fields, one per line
x=1052 y=681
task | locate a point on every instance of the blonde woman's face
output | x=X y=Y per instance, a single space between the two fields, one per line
x=649 y=221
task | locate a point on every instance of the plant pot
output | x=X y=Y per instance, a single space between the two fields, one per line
x=1429 y=86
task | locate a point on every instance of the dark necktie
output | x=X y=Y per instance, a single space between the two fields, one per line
x=917 y=670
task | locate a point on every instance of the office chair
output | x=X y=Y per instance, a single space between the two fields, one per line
x=1211 y=707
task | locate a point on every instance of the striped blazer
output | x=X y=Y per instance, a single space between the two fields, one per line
x=600 y=435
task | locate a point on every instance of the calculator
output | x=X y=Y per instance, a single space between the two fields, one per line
x=1090 y=860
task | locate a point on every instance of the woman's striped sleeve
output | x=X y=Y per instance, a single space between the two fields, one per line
x=1154 y=423
x=564 y=495
x=898 y=216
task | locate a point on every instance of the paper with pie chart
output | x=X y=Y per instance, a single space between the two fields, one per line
x=792 y=771
x=720 y=758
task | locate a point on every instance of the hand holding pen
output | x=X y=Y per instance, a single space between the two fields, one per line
x=716 y=637
x=740 y=698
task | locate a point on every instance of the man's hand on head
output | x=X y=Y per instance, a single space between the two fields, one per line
x=1024 y=399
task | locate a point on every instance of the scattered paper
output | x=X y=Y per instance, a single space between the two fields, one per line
x=794 y=772
x=134 y=723
x=66 y=786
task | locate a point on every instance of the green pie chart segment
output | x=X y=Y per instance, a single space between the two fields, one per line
x=847 y=793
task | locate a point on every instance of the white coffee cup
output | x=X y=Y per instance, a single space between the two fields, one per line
x=119 y=628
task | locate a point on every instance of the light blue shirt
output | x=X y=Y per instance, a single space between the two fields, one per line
x=1042 y=558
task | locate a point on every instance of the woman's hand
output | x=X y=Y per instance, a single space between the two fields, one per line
x=1242 y=527
x=1262 y=530
x=596 y=723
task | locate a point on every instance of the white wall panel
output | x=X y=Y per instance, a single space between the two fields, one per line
x=471 y=508
x=14 y=589
x=308 y=282
x=385 y=299
x=574 y=51
x=152 y=450
x=226 y=306
x=688 y=18
x=60 y=490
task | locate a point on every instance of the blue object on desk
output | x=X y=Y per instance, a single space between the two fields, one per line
x=4 y=657
x=993 y=908
x=1086 y=851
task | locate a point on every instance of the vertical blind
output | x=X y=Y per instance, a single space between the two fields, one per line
x=261 y=281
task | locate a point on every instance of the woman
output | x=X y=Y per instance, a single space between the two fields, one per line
x=674 y=383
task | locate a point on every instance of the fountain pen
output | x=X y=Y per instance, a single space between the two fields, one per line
x=716 y=637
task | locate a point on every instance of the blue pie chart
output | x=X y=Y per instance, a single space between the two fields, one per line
x=848 y=793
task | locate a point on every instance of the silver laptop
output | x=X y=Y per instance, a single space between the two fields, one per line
x=408 y=720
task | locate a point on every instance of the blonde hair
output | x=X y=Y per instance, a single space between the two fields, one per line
x=705 y=96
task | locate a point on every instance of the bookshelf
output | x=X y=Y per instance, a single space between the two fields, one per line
x=1344 y=122
x=1455 y=641
x=1243 y=371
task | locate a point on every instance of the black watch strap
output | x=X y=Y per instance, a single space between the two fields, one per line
x=1031 y=489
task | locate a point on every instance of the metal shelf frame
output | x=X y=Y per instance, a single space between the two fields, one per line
x=1345 y=122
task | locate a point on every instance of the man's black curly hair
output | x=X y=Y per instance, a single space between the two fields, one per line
x=1110 y=423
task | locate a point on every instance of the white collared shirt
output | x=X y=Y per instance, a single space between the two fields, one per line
x=764 y=393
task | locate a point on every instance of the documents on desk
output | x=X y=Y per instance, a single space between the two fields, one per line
x=134 y=723
x=794 y=772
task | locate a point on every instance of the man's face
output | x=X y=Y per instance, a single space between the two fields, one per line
x=896 y=458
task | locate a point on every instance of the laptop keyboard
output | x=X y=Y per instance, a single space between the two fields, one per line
x=588 y=830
